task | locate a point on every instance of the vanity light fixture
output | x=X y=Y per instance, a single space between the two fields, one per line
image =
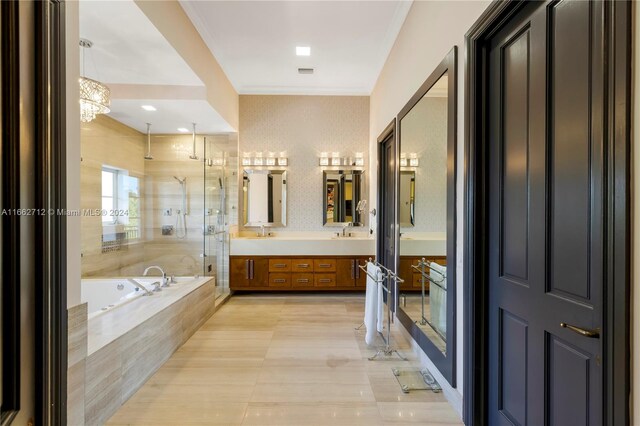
x=324 y=159
x=303 y=51
x=269 y=159
x=149 y=108
x=335 y=159
x=359 y=160
x=412 y=161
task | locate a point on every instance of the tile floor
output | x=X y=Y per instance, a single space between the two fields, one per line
x=282 y=360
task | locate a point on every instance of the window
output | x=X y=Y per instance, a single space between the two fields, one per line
x=121 y=202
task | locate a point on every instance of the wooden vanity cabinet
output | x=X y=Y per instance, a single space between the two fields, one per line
x=297 y=273
x=413 y=278
x=249 y=272
x=348 y=274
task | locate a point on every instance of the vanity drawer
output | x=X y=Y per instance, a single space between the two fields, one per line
x=279 y=265
x=302 y=280
x=279 y=280
x=301 y=265
x=324 y=280
x=324 y=265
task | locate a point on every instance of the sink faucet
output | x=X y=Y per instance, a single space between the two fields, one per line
x=262 y=233
x=344 y=228
x=165 y=281
x=143 y=288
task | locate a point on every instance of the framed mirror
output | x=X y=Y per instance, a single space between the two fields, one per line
x=264 y=195
x=427 y=206
x=342 y=195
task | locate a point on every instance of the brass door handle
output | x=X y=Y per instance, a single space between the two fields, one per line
x=595 y=333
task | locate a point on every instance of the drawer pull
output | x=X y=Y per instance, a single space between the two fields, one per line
x=302 y=280
x=302 y=265
x=324 y=280
x=324 y=265
x=279 y=280
x=280 y=265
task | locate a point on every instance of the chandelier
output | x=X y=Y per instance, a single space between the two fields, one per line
x=95 y=97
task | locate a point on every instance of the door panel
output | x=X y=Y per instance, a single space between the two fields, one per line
x=545 y=215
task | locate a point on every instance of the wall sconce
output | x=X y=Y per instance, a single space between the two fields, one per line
x=324 y=159
x=335 y=159
x=359 y=161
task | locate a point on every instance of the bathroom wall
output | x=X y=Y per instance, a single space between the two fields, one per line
x=429 y=32
x=105 y=141
x=303 y=127
x=424 y=132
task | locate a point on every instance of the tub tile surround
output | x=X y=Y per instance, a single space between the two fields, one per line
x=116 y=367
x=76 y=363
x=303 y=127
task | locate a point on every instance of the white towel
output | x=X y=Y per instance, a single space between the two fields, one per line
x=380 y=310
x=371 y=303
x=438 y=298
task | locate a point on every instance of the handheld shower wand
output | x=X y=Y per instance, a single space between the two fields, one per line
x=181 y=217
x=148 y=156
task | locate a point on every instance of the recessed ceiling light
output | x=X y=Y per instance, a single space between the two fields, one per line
x=148 y=107
x=183 y=129
x=303 y=51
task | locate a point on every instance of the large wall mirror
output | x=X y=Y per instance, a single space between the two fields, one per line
x=264 y=195
x=427 y=143
x=342 y=194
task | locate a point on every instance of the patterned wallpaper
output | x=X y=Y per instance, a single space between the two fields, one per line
x=303 y=127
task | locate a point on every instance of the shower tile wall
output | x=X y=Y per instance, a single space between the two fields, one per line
x=105 y=141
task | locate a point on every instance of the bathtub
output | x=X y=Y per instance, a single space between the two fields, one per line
x=105 y=294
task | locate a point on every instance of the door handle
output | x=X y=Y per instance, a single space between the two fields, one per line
x=594 y=334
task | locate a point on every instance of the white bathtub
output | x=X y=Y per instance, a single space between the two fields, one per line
x=104 y=294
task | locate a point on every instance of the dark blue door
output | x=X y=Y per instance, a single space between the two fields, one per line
x=546 y=218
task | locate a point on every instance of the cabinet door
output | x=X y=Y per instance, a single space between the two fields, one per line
x=260 y=272
x=239 y=272
x=361 y=276
x=345 y=272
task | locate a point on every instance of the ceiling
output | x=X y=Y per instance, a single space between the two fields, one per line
x=255 y=41
x=139 y=65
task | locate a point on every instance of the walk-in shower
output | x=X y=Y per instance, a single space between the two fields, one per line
x=181 y=214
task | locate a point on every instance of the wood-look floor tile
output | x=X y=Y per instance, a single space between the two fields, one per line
x=344 y=375
x=312 y=414
x=205 y=376
x=180 y=414
x=317 y=393
x=423 y=413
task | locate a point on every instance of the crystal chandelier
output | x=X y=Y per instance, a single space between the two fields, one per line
x=95 y=97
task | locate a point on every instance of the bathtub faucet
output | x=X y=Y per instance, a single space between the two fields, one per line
x=140 y=287
x=165 y=281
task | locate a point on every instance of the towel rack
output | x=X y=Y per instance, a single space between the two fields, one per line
x=383 y=280
x=420 y=267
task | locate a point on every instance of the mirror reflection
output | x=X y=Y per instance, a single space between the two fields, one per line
x=264 y=197
x=342 y=194
x=423 y=213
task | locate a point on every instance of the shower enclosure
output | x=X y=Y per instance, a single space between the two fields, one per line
x=177 y=192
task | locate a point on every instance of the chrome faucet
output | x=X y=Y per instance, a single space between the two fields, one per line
x=262 y=233
x=143 y=288
x=165 y=281
x=344 y=228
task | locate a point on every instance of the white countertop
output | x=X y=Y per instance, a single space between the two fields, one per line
x=423 y=244
x=302 y=244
